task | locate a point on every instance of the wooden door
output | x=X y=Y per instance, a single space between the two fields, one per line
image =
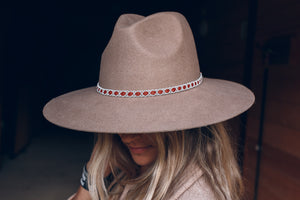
x=272 y=151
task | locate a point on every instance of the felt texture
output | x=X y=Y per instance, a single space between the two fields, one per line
x=154 y=52
x=211 y=102
x=148 y=53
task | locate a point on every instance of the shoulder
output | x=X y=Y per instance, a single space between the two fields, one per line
x=193 y=187
x=198 y=190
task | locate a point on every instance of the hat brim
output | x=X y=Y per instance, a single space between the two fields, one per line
x=211 y=102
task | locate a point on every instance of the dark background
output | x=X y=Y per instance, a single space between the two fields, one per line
x=52 y=47
x=48 y=48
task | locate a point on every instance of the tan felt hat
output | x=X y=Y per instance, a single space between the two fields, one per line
x=150 y=81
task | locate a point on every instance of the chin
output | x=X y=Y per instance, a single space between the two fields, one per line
x=142 y=162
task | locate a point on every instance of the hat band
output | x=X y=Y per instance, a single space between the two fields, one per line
x=151 y=92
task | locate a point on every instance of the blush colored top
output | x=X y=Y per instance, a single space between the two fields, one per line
x=193 y=187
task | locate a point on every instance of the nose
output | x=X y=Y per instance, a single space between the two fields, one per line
x=128 y=138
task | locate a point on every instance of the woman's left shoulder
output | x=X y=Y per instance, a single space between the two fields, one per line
x=194 y=187
x=198 y=190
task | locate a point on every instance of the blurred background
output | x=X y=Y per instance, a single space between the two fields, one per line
x=48 y=48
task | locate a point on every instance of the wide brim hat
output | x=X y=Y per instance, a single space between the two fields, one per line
x=150 y=81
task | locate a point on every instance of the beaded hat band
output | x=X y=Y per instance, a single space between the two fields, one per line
x=151 y=92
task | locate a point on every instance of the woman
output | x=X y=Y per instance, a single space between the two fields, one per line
x=150 y=87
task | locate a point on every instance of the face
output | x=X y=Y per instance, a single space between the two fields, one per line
x=142 y=148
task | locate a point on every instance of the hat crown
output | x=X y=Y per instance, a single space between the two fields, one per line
x=149 y=52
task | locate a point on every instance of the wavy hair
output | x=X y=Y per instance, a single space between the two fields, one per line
x=207 y=147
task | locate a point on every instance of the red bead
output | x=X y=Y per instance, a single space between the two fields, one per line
x=105 y=92
x=130 y=94
x=101 y=90
x=184 y=87
x=173 y=89
x=123 y=93
x=179 y=88
x=137 y=94
x=160 y=91
x=116 y=93
x=153 y=92
x=188 y=85
x=110 y=92
x=198 y=82
x=145 y=93
x=167 y=91
x=192 y=84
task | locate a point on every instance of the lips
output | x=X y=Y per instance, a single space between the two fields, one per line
x=139 y=150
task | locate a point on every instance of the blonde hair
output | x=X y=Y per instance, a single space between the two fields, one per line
x=207 y=147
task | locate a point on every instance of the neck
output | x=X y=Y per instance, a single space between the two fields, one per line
x=143 y=169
